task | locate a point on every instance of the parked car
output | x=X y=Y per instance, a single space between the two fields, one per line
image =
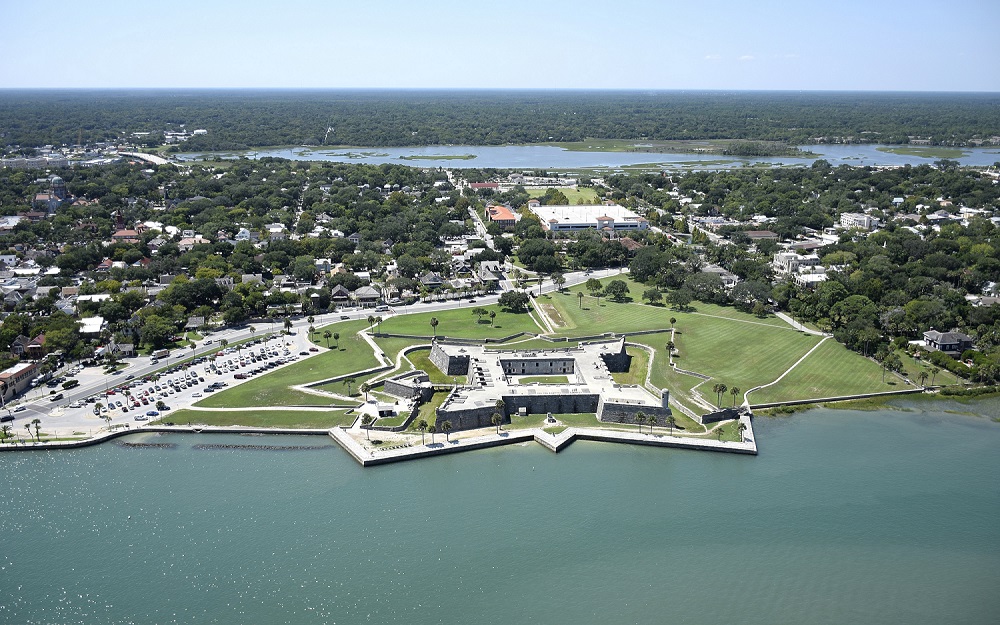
x=152 y=413
x=20 y=409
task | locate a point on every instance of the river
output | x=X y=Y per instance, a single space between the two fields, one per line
x=551 y=157
x=875 y=517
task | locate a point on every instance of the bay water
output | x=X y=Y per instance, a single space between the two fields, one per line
x=889 y=516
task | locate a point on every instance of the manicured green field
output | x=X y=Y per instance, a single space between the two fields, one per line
x=596 y=316
x=461 y=323
x=305 y=419
x=832 y=370
x=732 y=353
x=273 y=389
x=543 y=379
x=587 y=194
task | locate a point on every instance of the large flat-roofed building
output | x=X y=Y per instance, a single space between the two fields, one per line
x=557 y=380
x=571 y=217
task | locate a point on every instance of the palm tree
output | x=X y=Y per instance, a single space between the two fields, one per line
x=431 y=429
x=652 y=421
x=336 y=337
x=719 y=389
x=934 y=372
x=422 y=426
x=579 y=296
x=371 y=320
x=446 y=428
x=719 y=432
x=640 y=418
x=366 y=422
x=223 y=343
x=312 y=330
x=923 y=377
x=670 y=347
x=734 y=392
x=27 y=426
x=288 y=325
x=499 y=405
x=742 y=428
x=364 y=388
x=327 y=335
x=673 y=320
x=349 y=382
x=496 y=420
x=252 y=330
x=434 y=325
x=378 y=322
x=671 y=421
x=493 y=315
x=5 y=431
x=310 y=319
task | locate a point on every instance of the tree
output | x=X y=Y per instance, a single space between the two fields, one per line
x=366 y=422
x=327 y=334
x=680 y=298
x=719 y=431
x=434 y=325
x=446 y=428
x=336 y=338
x=499 y=405
x=288 y=325
x=37 y=423
x=493 y=316
x=27 y=426
x=617 y=290
x=734 y=392
x=719 y=389
x=496 y=420
x=559 y=280
x=652 y=421
x=640 y=418
x=742 y=427
x=5 y=431
x=593 y=285
x=653 y=296
x=670 y=347
x=579 y=296
x=673 y=320
x=514 y=301
x=364 y=388
x=311 y=319
x=432 y=430
x=934 y=372
x=479 y=311
x=349 y=382
x=422 y=426
x=223 y=343
x=312 y=331
x=923 y=377
x=160 y=405
x=371 y=320
x=671 y=421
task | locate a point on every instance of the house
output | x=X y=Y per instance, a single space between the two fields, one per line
x=761 y=235
x=366 y=295
x=16 y=379
x=858 y=221
x=339 y=295
x=36 y=348
x=19 y=345
x=951 y=343
x=276 y=232
x=354 y=238
x=193 y=323
x=790 y=262
x=431 y=280
x=125 y=236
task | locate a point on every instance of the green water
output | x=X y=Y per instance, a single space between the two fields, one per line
x=863 y=517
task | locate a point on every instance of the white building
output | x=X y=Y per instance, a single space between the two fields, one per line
x=789 y=262
x=858 y=220
x=567 y=218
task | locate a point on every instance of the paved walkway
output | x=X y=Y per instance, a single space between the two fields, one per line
x=798 y=326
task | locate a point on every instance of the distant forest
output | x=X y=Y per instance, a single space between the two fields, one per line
x=240 y=119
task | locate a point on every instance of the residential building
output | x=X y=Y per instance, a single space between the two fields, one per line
x=858 y=221
x=951 y=343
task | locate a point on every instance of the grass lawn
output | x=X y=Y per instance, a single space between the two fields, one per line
x=587 y=194
x=421 y=359
x=830 y=371
x=638 y=366
x=264 y=418
x=913 y=367
x=733 y=353
x=598 y=316
x=392 y=346
x=543 y=379
x=427 y=409
x=461 y=323
x=539 y=344
x=273 y=389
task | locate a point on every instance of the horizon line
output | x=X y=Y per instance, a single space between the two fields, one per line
x=509 y=89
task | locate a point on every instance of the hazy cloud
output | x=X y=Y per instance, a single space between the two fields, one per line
x=745 y=57
x=713 y=57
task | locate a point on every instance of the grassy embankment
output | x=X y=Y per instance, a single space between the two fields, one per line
x=273 y=389
x=587 y=194
x=298 y=419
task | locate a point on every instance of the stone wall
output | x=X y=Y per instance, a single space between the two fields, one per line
x=541 y=365
x=619 y=360
x=464 y=418
x=610 y=411
x=449 y=365
x=408 y=384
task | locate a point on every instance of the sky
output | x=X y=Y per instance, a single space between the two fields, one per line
x=871 y=45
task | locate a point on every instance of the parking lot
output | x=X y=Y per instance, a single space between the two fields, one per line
x=135 y=399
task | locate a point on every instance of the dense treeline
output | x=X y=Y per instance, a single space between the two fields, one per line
x=243 y=119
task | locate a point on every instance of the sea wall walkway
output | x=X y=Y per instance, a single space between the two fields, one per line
x=554 y=442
